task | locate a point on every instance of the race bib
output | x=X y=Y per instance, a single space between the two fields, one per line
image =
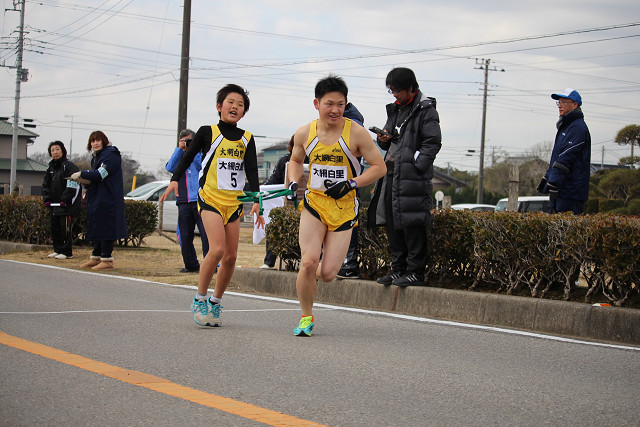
x=323 y=176
x=230 y=174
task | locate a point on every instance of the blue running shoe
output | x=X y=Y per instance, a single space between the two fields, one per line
x=304 y=327
x=205 y=313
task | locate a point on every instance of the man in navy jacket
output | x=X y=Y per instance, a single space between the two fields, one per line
x=567 y=179
x=187 y=202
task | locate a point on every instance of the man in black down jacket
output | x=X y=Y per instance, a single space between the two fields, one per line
x=63 y=198
x=412 y=139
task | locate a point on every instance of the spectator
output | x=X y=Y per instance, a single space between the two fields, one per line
x=187 y=203
x=402 y=199
x=567 y=179
x=350 y=268
x=63 y=197
x=106 y=219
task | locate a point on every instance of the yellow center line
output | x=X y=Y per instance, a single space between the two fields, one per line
x=161 y=385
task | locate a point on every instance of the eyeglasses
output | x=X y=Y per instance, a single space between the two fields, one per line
x=564 y=102
x=394 y=91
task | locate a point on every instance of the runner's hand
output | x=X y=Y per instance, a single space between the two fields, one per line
x=341 y=188
x=293 y=187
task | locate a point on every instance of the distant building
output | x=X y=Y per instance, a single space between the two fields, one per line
x=268 y=158
x=595 y=167
x=29 y=173
x=442 y=181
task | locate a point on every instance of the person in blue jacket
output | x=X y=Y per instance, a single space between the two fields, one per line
x=187 y=202
x=106 y=219
x=567 y=179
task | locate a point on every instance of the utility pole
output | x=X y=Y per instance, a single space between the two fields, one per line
x=484 y=65
x=70 y=137
x=20 y=77
x=184 y=67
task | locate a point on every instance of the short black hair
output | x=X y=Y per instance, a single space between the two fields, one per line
x=60 y=144
x=186 y=132
x=402 y=78
x=331 y=83
x=233 y=88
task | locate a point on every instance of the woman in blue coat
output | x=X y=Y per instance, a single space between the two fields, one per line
x=106 y=220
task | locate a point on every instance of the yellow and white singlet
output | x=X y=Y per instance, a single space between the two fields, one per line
x=329 y=164
x=222 y=176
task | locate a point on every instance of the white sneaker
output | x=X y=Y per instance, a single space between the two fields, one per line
x=53 y=254
x=63 y=256
x=265 y=266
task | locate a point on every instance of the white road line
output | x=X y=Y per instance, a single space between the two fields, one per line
x=139 y=311
x=376 y=313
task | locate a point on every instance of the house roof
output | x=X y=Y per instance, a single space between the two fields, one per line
x=449 y=179
x=278 y=146
x=6 y=128
x=594 y=167
x=26 y=165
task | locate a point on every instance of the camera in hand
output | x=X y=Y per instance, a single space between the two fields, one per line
x=188 y=141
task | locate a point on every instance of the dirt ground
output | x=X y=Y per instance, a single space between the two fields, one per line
x=158 y=259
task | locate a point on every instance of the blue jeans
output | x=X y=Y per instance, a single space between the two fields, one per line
x=102 y=248
x=188 y=219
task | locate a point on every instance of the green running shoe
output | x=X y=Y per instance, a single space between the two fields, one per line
x=304 y=327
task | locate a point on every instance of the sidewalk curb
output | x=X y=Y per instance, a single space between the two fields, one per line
x=566 y=318
x=8 y=247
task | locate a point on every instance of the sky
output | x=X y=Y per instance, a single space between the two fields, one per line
x=114 y=65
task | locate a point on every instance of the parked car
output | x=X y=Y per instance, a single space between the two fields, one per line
x=478 y=207
x=526 y=204
x=151 y=192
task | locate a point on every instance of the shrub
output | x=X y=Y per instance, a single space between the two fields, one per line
x=26 y=219
x=537 y=254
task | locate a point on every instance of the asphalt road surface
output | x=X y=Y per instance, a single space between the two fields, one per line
x=88 y=349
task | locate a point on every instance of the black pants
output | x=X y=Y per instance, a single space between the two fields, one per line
x=188 y=219
x=62 y=234
x=269 y=257
x=408 y=245
x=351 y=260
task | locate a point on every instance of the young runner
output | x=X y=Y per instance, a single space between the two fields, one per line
x=228 y=155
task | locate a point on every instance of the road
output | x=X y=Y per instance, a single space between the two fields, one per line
x=358 y=369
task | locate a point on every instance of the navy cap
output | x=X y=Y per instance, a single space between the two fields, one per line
x=569 y=93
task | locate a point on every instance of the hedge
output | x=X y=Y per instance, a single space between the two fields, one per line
x=533 y=254
x=26 y=219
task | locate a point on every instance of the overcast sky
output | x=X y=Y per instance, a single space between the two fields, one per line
x=114 y=65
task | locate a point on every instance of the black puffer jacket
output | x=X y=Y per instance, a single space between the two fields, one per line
x=56 y=189
x=418 y=142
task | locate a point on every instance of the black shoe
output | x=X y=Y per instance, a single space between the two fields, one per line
x=347 y=274
x=389 y=278
x=409 y=279
x=189 y=270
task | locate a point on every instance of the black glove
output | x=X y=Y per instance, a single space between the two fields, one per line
x=293 y=186
x=553 y=192
x=341 y=188
x=543 y=183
